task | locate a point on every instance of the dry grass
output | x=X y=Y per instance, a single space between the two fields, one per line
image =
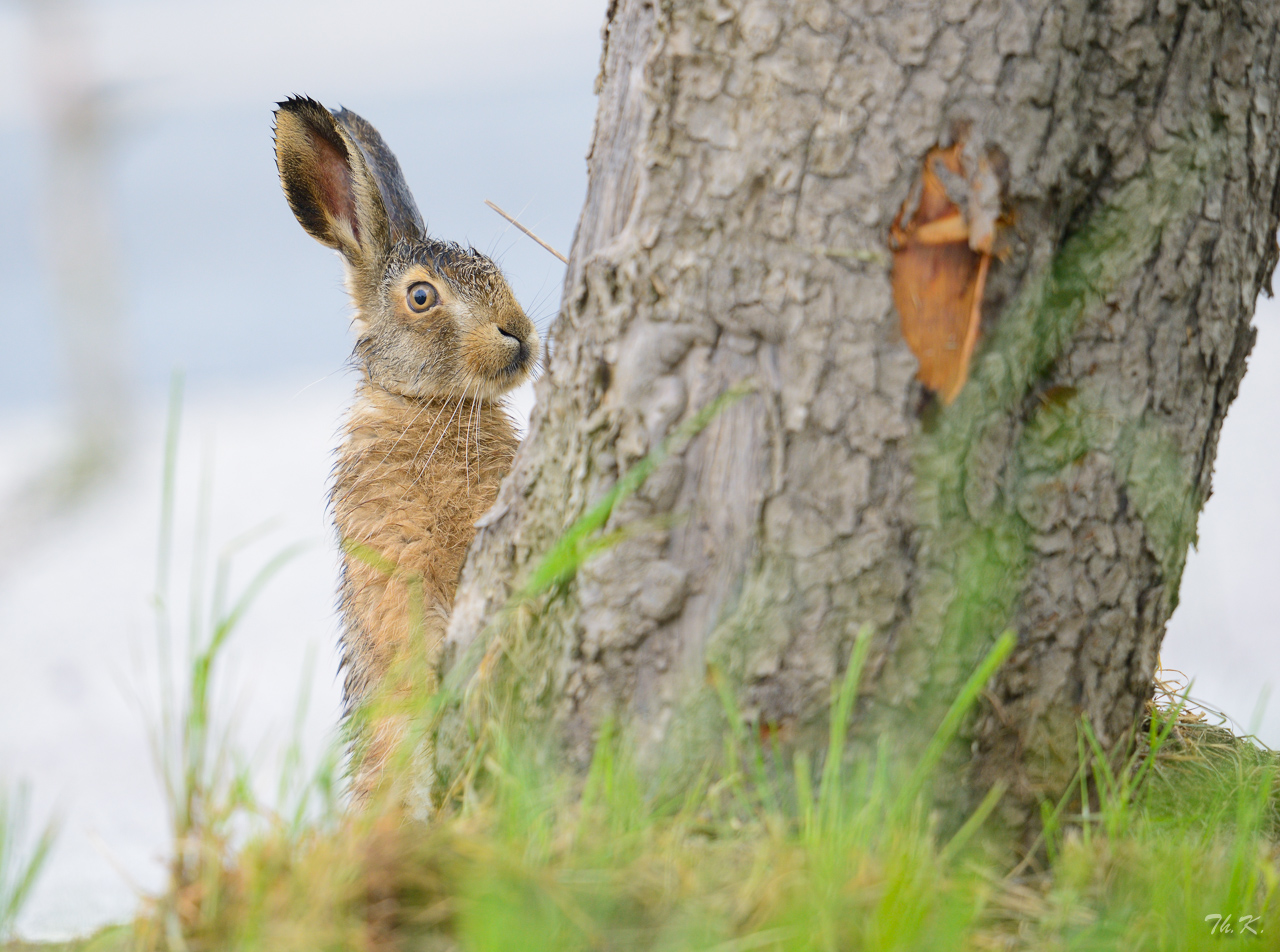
x=763 y=852
x=529 y=859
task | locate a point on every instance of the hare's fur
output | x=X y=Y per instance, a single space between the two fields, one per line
x=427 y=441
x=413 y=476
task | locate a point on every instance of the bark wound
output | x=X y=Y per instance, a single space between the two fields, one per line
x=941 y=256
x=748 y=161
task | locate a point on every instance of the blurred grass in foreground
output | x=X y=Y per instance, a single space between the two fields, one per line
x=759 y=858
x=20 y=861
x=767 y=851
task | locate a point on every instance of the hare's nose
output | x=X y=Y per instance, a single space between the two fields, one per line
x=506 y=333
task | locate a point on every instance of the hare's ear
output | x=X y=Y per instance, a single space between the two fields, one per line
x=327 y=182
x=406 y=222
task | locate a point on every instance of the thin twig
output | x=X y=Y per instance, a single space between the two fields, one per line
x=526 y=231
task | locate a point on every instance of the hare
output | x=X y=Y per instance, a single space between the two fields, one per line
x=439 y=339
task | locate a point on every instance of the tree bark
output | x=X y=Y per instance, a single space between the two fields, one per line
x=749 y=158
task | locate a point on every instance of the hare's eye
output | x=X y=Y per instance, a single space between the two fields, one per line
x=422 y=297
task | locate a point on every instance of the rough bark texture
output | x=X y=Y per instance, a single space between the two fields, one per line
x=748 y=160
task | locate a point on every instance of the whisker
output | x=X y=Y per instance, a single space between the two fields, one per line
x=444 y=431
x=462 y=400
x=371 y=473
x=466 y=445
x=444 y=405
x=420 y=471
x=475 y=416
x=479 y=420
x=396 y=442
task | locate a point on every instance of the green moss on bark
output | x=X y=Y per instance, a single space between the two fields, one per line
x=977 y=504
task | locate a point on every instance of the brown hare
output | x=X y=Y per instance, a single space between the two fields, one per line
x=439 y=339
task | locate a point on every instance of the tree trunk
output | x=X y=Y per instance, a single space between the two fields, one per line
x=749 y=159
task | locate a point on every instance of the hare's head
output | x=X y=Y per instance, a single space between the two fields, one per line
x=434 y=319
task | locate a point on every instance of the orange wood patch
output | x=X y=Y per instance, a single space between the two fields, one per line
x=939 y=279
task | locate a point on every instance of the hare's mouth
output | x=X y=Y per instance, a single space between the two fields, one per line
x=519 y=361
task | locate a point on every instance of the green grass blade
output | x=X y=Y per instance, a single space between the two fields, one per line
x=829 y=787
x=18 y=873
x=974 y=823
x=950 y=726
x=561 y=561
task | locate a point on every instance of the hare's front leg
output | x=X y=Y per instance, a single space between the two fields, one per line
x=391 y=650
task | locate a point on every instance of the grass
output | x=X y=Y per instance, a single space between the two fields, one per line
x=209 y=792
x=770 y=855
x=20 y=861
x=1164 y=850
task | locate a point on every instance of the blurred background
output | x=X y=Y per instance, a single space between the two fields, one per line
x=142 y=231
